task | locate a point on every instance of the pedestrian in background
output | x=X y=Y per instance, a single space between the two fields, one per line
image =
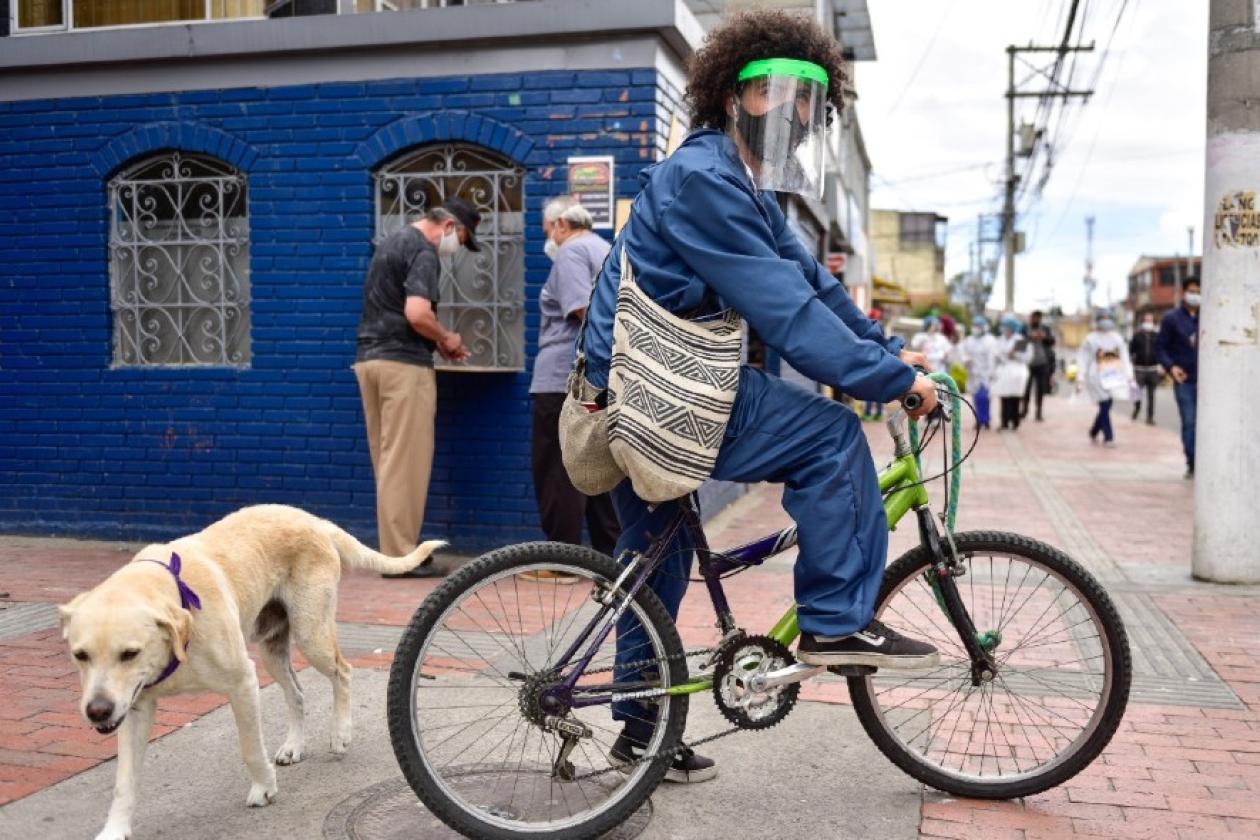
x=1146 y=369
x=874 y=409
x=1041 y=368
x=1010 y=378
x=932 y=344
x=979 y=352
x=398 y=334
x=577 y=255
x=1177 y=348
x=1106 y=373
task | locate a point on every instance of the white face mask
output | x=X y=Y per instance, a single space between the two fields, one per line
x=449 y=245
x=1148 y=325
x=977 y=331
x=551 y=249
x=1192 y=298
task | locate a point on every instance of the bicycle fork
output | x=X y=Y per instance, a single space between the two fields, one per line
x=946 y=569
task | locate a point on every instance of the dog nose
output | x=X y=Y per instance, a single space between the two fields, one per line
x=99 y=711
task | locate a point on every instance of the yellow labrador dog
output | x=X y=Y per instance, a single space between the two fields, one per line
x=177 y=618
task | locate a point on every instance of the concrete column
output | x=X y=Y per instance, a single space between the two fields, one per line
x=1227 y=483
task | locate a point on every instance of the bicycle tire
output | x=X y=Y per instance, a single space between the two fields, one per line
x=914 y=563
x=557 y=557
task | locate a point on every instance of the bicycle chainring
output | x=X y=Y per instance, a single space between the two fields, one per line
x=741 y=659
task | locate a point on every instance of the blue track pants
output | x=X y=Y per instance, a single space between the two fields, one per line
x=814 y=446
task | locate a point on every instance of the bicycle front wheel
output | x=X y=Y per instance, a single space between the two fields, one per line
x=473 y=716
x=1062 y=682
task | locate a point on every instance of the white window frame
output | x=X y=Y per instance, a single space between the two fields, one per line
x=67 y=18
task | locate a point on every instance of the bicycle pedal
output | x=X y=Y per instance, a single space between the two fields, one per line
x=853 y=670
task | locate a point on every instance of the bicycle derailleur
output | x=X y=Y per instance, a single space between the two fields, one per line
x=745 y=664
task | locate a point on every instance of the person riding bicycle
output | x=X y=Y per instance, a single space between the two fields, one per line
x=707 y=233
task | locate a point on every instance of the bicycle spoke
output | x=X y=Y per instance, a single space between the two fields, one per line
x=1052 y=681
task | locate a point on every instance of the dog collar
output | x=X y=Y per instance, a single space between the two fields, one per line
x=187 y=599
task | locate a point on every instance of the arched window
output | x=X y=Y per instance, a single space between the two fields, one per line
x=481 y=295
x=179 y=263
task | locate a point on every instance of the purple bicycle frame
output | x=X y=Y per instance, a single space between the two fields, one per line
x=712 y=567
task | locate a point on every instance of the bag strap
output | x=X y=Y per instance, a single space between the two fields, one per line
x=580 y=364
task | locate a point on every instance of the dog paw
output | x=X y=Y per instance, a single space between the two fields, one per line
x=289 y=754
x=261 y=796
x=110 y=833
x=340 y=743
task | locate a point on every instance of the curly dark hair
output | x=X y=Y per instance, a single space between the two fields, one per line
x=751 y=35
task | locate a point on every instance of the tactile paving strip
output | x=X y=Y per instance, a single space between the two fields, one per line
x=18 y=619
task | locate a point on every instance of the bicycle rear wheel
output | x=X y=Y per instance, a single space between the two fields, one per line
x=1063 y=671
x=466 y=698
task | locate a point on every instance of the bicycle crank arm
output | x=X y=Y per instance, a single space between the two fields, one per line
x=797 y=672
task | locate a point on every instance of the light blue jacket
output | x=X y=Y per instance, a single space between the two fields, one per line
x=702 y=238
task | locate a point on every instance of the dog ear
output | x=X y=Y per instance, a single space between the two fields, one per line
x=65 y=611
x=177 y=623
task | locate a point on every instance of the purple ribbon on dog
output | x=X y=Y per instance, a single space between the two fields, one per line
x=187 y=599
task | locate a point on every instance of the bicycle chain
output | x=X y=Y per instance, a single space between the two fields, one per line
x=682 y=745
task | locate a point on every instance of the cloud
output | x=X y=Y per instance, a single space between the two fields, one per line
x=1132 y=157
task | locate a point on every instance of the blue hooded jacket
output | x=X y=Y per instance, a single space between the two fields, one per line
x=702 y=238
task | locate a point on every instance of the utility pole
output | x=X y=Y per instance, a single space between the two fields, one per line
x=1090 y=282
x=1227 y=458
x=1055 y=91
x=1189 y=271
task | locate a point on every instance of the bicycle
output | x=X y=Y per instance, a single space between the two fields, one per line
x=499 y=688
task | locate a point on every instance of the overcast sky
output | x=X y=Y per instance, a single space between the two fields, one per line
x=1132 y=157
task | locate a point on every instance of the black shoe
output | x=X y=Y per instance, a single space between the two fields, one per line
x=877 y=646
x=686 y=768
x=427 y=569
x=1189 y=471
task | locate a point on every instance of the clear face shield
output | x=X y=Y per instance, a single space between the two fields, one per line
x=779 y=122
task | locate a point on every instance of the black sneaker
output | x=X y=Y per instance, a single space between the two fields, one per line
x=686 y=768
x=877 y=646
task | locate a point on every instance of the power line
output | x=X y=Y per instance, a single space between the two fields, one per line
x=923 y=58
x=1115 y=83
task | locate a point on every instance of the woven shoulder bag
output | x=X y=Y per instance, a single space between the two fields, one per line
x=671 y=386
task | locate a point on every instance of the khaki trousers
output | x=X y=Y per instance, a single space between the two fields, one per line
x=399 y=402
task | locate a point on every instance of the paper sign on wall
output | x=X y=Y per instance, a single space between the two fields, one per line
x=591 y=183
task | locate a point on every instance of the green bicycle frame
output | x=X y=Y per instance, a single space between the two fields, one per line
x=903 y=491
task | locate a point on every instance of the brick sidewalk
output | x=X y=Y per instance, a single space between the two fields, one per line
x=1185 y=763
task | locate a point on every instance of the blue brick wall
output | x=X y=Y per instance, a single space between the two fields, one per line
x=149 y=454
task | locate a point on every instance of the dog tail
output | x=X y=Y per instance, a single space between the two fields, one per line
x=357 y=555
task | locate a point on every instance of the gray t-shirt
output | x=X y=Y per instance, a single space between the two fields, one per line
x=404 y=265
x=568 y=289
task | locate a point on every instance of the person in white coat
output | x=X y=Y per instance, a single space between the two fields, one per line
x=1014 y=353
x=933 y=345
x=1106 y=373
x=979 y=355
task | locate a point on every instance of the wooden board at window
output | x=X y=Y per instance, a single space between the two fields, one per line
x=31 y=13
x=91 y=13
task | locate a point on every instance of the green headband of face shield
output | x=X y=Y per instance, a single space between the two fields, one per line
x=806 y=70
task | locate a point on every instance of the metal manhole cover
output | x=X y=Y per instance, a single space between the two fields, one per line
x=390 y=810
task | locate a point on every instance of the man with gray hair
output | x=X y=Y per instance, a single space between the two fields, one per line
x=577 y=255
x=398 y=334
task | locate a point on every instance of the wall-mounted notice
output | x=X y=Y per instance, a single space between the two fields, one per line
x=591 y=183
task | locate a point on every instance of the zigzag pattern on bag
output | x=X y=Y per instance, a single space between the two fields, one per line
x=671 y=386
x=679 y=362
x=672 y=417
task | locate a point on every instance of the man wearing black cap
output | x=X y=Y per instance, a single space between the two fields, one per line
x=398 y=334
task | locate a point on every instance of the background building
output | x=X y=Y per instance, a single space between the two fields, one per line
x=189 y=208
x=910 y=252
x=1155 y=281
